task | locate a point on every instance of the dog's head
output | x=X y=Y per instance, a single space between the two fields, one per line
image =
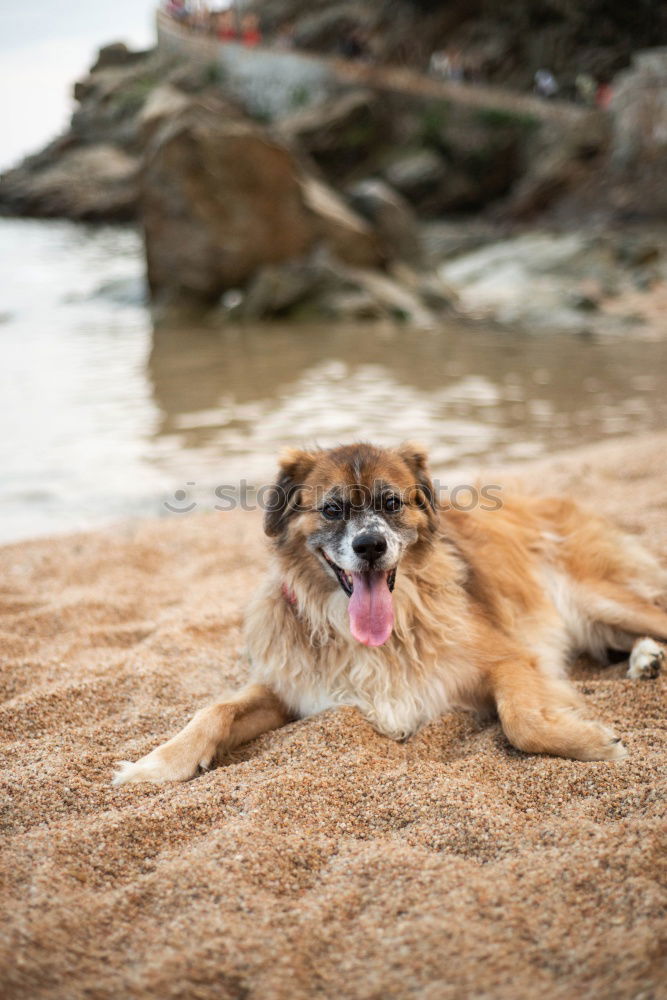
x=358 y=512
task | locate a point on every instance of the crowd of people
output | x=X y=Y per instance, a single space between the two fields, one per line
x=227 y=22
x=222 y=20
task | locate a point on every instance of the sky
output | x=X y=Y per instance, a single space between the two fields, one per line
x=45 y=45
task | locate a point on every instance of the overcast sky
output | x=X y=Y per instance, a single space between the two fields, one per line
x=44 y=46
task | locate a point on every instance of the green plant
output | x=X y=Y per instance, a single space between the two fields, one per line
x=299 y=97
x=433 y=120
x=503 y=118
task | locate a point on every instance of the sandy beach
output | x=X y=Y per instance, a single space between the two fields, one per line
x=323 y=860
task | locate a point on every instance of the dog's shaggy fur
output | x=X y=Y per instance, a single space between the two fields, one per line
x=487 y=608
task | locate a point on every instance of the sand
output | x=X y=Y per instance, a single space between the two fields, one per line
x=324 y=860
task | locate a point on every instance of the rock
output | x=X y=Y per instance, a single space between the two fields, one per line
x=556 y=160
x=639 y=106
x=416 y=175
x=111 y=99
x=398 y=301
x=639 y=249
x=481 y=147
x=277 y=288
x=391 y=217
x=352 y=240
x=431 y=184
x=90 y=183
x=540 y=281
x=442 y=240
x=91 y=172
x=221 y=199
x=517 y=280
x=340 y=134
x=115 y=54
x=428 y=285
x=162 y=103
x=349 y=306
x=320 y=286
x=639 y=141
x=323 y=30
x=458 y=154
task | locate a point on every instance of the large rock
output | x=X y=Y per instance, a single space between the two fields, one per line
x=88 y=183
x=221 y=199
x=390 y=215
x=110 y=99
x=115 y=54
x=545 y=282
x=417 y=174
x=639 y=142
x=352 y=240
x=319 y=286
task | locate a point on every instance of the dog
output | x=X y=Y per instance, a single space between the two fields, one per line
x=379 y=598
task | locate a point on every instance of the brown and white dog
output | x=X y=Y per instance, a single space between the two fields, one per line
x=378 y=599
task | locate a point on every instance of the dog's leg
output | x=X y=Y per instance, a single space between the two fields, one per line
x=217 y=728
x=634 y=624
x=542 y=715
x=619 y=607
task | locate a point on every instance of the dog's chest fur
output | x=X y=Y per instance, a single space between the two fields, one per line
x=304 y=651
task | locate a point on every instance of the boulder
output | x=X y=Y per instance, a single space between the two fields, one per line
x=352 y=240
x=111 y=99
x=416 y=174
x=277 y=289
x=115 y=54
x=542 y=281
x=89 y=183
x=221 y=199
x=320 y=286
x=639 y=141
x=391 y=217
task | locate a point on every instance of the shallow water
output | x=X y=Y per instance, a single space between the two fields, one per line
x=104 y=419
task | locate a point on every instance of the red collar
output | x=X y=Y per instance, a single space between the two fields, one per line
x=289 y=595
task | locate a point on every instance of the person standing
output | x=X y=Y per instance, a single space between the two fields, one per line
x=251 y=34
x=226 y=27
x=546 y=84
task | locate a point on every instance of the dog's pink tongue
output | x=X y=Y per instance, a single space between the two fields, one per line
x=370 y=608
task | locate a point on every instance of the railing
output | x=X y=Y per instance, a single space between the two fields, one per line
x=274 y=81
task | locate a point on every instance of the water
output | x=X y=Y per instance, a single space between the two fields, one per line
x=102 y=419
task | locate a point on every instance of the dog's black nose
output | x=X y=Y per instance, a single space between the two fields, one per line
x=369 y=545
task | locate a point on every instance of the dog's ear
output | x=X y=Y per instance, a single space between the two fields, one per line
x=416 y=458
x=294 y=465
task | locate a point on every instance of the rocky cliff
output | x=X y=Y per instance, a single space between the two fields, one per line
x=309 y=192
x=500 y=43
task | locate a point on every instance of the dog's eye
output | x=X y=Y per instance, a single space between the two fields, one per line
x=332 y=511
x=392 y=504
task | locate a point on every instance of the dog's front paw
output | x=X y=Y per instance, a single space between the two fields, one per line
x=588 y=739
x=646 y=660
x=176 y=760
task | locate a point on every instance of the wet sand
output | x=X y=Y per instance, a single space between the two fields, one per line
x=323 y=860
